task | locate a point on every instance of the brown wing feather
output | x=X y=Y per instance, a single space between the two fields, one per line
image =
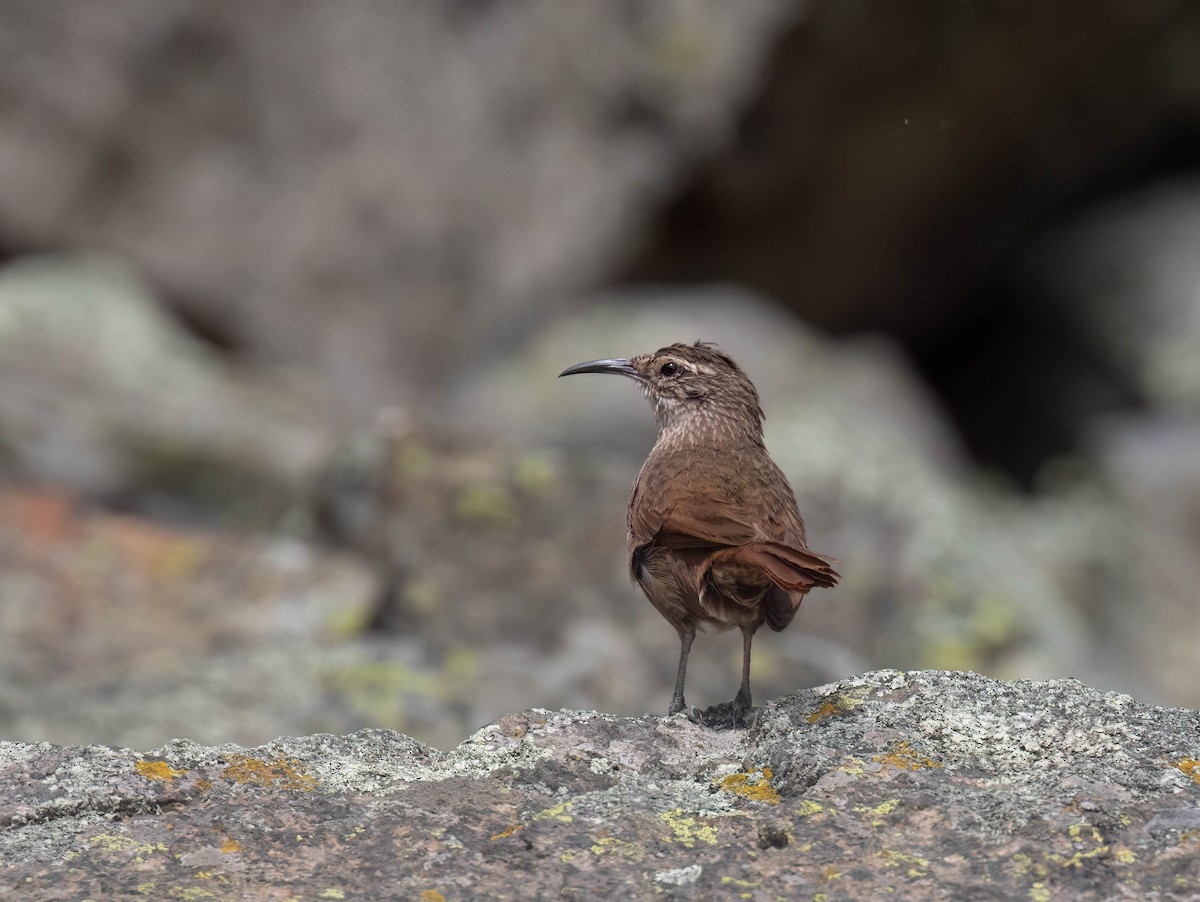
x=791 y=569
x=736 y=554
x=788 y=567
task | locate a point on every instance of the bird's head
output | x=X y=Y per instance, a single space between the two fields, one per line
x=689 y=385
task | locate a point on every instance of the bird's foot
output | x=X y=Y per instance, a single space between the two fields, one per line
x=725 y=716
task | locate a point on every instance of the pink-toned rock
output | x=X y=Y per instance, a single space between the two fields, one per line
x=117 y=628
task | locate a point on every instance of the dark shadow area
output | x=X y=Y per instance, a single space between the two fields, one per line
x=787 y=210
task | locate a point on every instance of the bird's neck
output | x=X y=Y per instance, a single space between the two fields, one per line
x=708 y=427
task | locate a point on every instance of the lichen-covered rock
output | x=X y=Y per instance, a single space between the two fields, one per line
x=925 y=785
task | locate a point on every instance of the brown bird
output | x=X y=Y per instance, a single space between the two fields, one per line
x=715 y=537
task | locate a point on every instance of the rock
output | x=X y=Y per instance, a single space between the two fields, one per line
x=1118 y=520
x=105 y=395
x=1124 y=273
x=120 y=630
x=372 y=192
x=925 y=785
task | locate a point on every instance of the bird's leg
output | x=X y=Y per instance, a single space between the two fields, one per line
x=687 y=633
x=741 y=702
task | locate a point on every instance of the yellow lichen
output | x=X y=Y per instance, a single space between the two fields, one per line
x=1189 y=767
x=826 y=710
x=1023 y=864
x=734 y=881
x=278 y=773
x=1039 y=893
x=489 y=505
x=158 y=770
x=983 y=624
x=536 y=474
x=1076 y=832
x=808 y=808
x=878 y=812
x=852 y=766
x=347 y=621
x=1077 y=860
x=230 y=845
x=1083 y=834
x=754 y=785
x=840 y=704
x=893 y=859
x=687 y=831
x=903 y=756
x=379 y=690
x=423 y=594
x=609 y=845
x=432 y=895
x=115 y=842
x=412 y=460
x=555 y=812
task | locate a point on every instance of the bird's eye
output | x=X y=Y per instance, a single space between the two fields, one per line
x=669 y=369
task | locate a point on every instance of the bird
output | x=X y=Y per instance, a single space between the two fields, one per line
x=715 y=538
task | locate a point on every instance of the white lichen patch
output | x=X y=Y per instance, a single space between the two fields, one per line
x=14 y=754
x=679 y=876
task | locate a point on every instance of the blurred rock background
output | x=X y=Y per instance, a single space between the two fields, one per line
x=285 y=289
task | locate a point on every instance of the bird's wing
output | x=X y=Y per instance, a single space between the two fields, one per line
x=687 y=521
x=791 y=569
x=687 y=511
x=672 y=516
x=724 y=546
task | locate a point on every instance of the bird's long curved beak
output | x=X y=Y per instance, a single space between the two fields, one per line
x=622 y=366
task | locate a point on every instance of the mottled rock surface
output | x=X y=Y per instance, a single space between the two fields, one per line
x=924 y=785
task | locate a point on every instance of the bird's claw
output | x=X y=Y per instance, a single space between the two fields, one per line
x=725 y=716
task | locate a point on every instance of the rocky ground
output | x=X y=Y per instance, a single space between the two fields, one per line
x=284 y=295
x=925 y=785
